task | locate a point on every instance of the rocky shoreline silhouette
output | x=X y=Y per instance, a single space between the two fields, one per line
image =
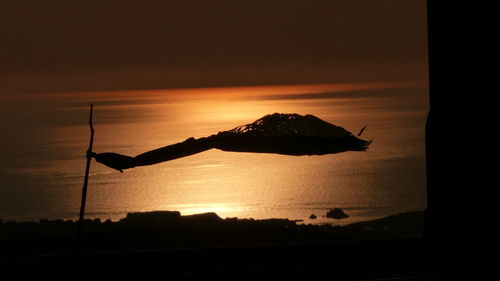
x=166 y=244
x=170 y=229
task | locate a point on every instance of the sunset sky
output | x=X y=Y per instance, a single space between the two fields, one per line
x=59 y=46
x=159 y=72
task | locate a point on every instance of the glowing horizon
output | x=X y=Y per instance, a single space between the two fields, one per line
x=239 y=91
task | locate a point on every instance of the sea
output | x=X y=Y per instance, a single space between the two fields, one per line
x=45 y=137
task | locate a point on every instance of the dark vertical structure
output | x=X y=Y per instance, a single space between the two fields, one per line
x=432 y=213
x=86 y=179
x=460 y=135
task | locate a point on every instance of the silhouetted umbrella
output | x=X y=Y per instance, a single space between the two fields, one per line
x=288 y=134
x=115 y=160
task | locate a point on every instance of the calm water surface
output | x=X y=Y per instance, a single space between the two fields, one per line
x=47 y=135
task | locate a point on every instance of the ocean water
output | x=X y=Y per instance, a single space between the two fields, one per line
x=45 y=138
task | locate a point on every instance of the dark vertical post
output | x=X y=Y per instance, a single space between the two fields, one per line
x=86 y=179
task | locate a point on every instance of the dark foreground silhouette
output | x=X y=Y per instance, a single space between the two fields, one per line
x=169 y=229
x=288 y=134
x=147 y=246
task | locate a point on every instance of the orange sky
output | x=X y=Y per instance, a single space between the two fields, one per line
x=55 y=46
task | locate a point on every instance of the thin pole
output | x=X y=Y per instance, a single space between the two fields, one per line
x=86 y=180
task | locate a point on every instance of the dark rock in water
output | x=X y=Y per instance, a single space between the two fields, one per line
x=336 y=213
x=153 y=217
x=312 y=216
x=204 y=219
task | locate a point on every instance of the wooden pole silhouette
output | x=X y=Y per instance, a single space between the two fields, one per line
x=86 y=179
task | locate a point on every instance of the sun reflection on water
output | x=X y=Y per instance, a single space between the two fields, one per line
x=390 y=174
